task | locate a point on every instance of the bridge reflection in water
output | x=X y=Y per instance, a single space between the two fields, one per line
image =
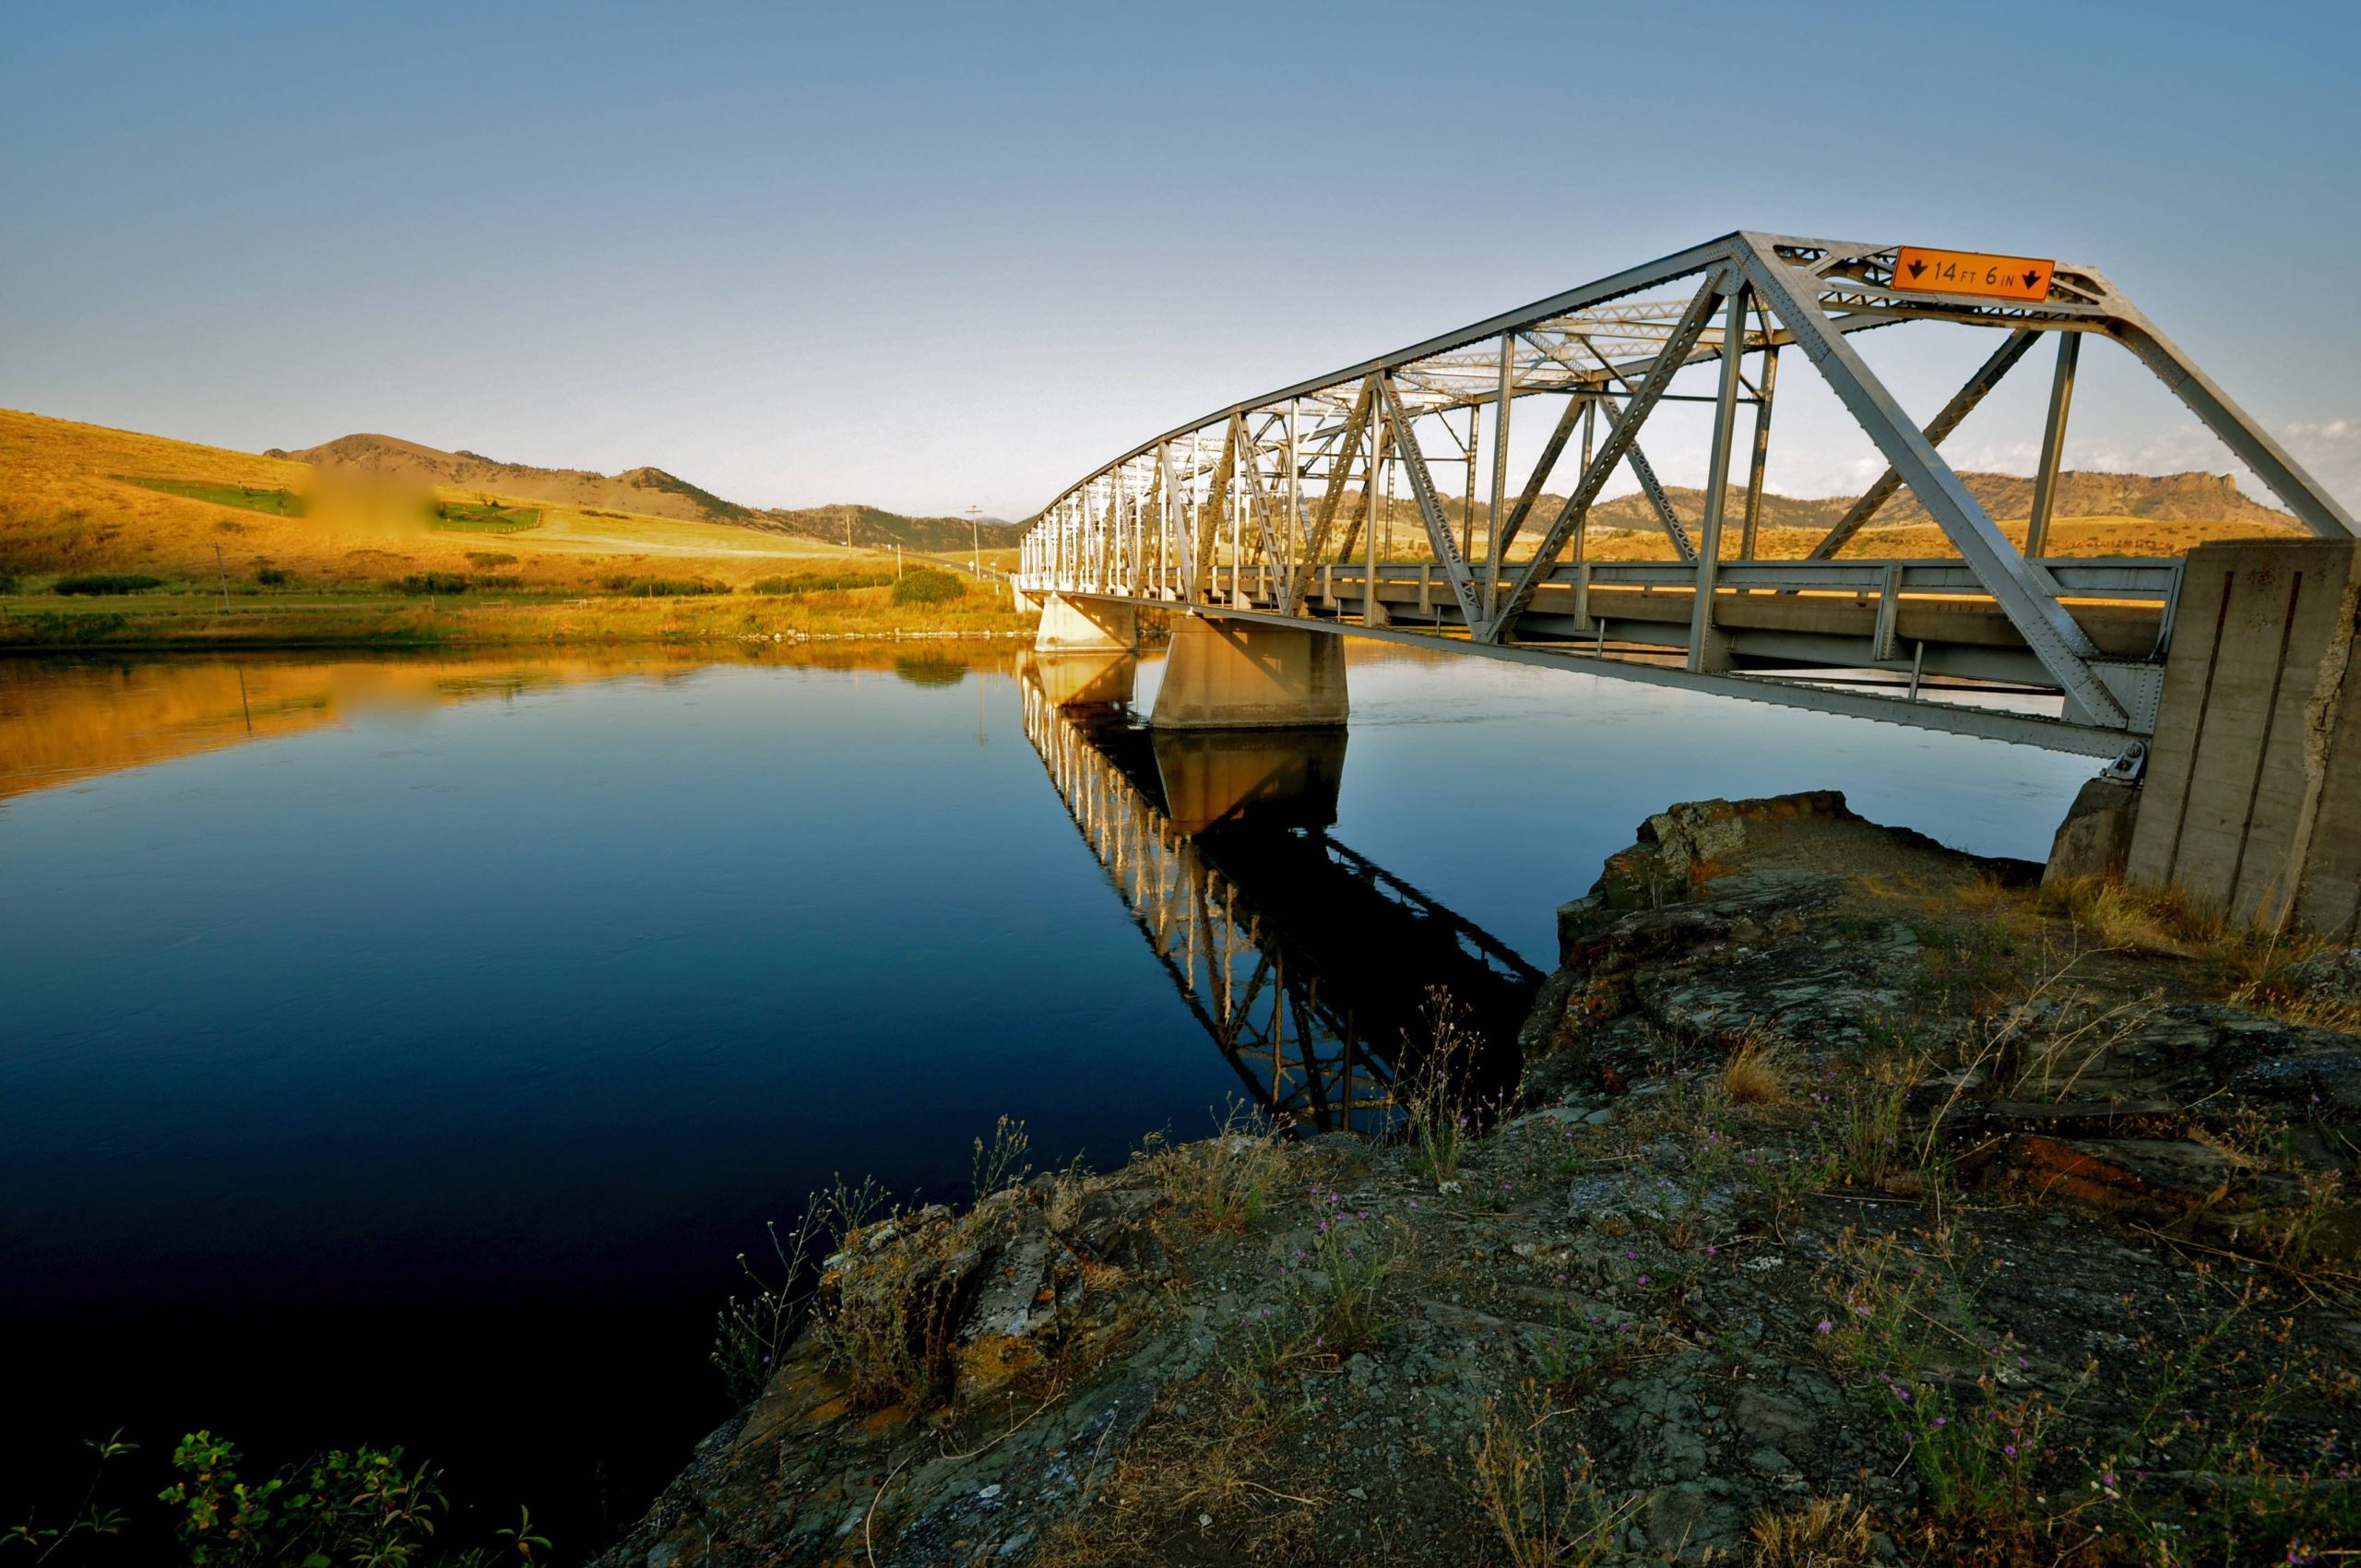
x=1311 y=966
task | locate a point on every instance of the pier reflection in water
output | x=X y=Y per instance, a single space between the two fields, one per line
x=1314 y=970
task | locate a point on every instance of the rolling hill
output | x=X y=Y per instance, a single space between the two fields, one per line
x=645 y=492
x=2157 y=498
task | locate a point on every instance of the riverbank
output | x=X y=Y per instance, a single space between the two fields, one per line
x=1864 y=1203
x=191 y=621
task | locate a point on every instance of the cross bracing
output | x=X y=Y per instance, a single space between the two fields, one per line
x=1277 y=506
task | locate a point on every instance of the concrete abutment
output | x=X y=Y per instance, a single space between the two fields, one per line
x=2251 y=802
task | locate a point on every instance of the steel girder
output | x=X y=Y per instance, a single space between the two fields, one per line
x=1260 y=490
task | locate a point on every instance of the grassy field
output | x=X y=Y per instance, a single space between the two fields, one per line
x=278 y=503
x=473 y=517
x=253 y=551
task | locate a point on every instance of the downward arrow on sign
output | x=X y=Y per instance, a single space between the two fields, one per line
x=1916 y=268
x=2032 y=277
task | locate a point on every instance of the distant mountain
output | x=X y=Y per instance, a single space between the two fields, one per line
x=2164 y=498
x=869 y=525
x=645 y=491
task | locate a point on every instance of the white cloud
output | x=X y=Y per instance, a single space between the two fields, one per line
x=2330 y=451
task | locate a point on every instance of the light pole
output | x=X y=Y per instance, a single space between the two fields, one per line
x=975 y=541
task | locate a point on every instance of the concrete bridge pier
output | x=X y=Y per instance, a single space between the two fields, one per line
x=1087 y=625
x=2251 y=802
x=1236 y=674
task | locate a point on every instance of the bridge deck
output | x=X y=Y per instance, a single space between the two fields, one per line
x=1908 y=641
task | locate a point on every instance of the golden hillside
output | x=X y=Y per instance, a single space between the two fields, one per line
x=73 y=502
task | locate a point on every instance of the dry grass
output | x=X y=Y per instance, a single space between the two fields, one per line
x=1546 y=1514
x=2135 y=920
x=1224 y=1182
x=2259 y=967
x=1757 y=1074
x=1827 y=1532
x=1204 y=1486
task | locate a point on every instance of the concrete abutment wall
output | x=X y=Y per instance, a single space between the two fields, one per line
x=2252 y=798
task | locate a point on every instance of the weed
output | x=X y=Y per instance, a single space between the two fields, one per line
x=1864 y=1133
x=369 y=1508
x=1964 y=967
x=88 y=1518
x=1948 y=1389
x=1439 y=1117
x=1350 y=1261
x=1223 y=1183
x=1002 y=1164
x=753 y=1332
x=891 y=1335
x=1547 y=1515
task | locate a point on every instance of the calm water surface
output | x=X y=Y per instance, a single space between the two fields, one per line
x=400 y=1050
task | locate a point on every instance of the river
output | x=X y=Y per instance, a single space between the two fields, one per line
x=402 y=1049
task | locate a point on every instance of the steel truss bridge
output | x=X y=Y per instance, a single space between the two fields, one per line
x=1272 y=509
x=1307 y=964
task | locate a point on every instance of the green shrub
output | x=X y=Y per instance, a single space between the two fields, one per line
x=10 y=582
x=106 y=582
x=490 y=558
x=928 y=586
x=660 y=588
x=503 y=580
x=819 y=582
x=368 y=1507
x=431 y=583
x=272 y=576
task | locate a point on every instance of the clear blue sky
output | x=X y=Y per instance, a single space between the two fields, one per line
x=930 y=255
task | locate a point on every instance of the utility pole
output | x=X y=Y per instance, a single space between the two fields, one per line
x=975 y=541
x=224 y=571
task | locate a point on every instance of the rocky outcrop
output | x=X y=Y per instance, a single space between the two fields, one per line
x=1857 y=1203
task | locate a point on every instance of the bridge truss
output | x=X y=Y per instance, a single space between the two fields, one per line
x=1272 y=509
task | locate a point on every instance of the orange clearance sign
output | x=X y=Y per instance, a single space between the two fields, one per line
x=1972 y=272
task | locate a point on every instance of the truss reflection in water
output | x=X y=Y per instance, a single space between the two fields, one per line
x=1309 y=965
